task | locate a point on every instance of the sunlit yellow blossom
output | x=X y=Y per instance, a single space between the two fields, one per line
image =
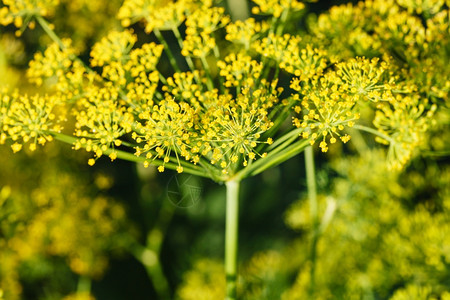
x=245 y=32
x=201 y=24
x=406 y=30
x=185 y=87
x=144 y=59
x=205 y=281
x=275 y=46
x=236 y=127
x=5 y=103
x=198 y=45
x=167 y=129
x=30 y=120
x=156 y=14
x=426 y=7
x=58 y=65
x=327 y=108
x=20 y=12
x=111 y=53
x=366 y=79
x=239 y=70
x=102 y=123
x=344 y=30
x=403 y=121
x=276 y=7
x=112 y=47
x=305 y=63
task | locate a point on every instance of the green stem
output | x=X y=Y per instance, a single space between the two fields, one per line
x=312 y=197
x=150 y=260
x=209 y=81
x=84 y=285
x=272 y=159
x=172 y=59
x=193 y=169
x=231 y=239
x=44 y=24
x=149 y=255
x=180 y=43
x=375 y=132
x=221 y=83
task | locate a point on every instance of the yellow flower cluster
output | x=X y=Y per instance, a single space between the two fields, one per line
x=27 y=119
x=110 y=54
x=123 y=65
x=112 y=48
x=101 y=124
x=426 y=7
x=331 y=103
x=201 y=25
x=276 y=7
x=246 y=32
x=21 y=12
x=275 y=47
x=305 y=63
x=220 y=110
x=185 y=87
x=204 y=281
x=396 y=240
x=55 y=217
x=167 y=128
x=60 y=69
x=164 y=15
x=403 y=121
x=239 y=70
x=366 y=80
x=196 y=124
x=237 y=131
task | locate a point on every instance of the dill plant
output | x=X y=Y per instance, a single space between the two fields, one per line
x=220 y=109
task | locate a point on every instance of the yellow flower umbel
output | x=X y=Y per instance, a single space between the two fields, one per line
x=110 y=54
x=21 y=12
x=167 y=129
x=5 y=103
x=331 y=103
x=101 y=124
x=201 y=25
x=60 y=69
x=156 y=14
x=30 y=120
x=276 y=7
x=366 y=79
x=235 y=125
x=403 y=122
x=245 y=32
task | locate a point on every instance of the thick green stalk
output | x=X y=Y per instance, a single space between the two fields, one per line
x=312 y=197
x=84 y=285
x=149 y=254
x=231 y=238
